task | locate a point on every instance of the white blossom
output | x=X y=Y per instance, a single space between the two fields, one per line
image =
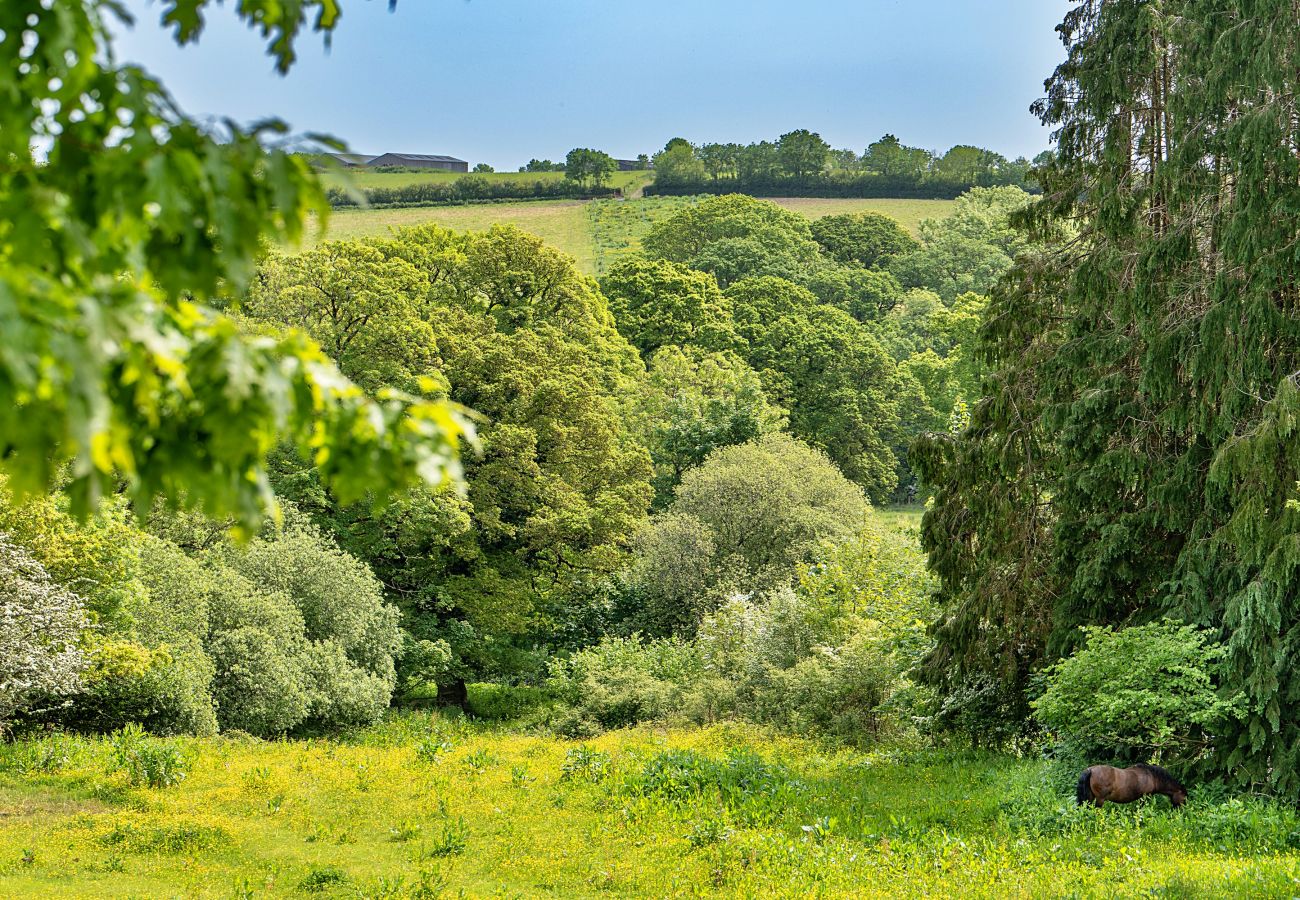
x=40 y=628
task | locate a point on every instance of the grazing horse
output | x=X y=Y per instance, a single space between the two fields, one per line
x=1097 y=784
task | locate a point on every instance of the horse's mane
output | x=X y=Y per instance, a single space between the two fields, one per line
x=1166 y=779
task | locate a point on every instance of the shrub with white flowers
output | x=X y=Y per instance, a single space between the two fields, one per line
x=40 y=630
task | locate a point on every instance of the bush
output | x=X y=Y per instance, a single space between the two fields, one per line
x=41 y=625
x=313 y=643
x=166 y=689
x=466 y=189
x=1136 y=692
x=745 y=519
x=621 y=682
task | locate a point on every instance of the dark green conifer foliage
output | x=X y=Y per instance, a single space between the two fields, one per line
x=1138 y=450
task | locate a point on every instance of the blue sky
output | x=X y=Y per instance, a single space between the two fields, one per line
x=500 y=81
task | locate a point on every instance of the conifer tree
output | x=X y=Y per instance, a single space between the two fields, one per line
x=1137 y=451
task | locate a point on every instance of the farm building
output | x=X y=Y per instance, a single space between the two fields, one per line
x=351 y=160
x=420 y=161
x=629 y=165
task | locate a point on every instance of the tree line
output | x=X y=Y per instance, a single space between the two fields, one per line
x=801 y=163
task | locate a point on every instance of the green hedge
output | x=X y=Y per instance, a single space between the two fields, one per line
x=469 y=189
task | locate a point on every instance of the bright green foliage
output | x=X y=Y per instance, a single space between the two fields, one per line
x=1137 y=452
x=839 y=385
x=592 y=167
x=936 y=346
x=657 y=302
x=735 y=237
x=744 y=520
x=862 y=239
x=1141 y=690
x=364 y=307
x=694 y=402
x=561 y=483
x=802 y=153
x=96 y=558
x=969 y=249
x=830 y=655
x=827 y=652
x=110 y=246
x=865 y=294
x=622 y=681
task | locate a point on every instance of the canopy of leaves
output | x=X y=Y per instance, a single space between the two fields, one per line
x=561 y=482
x=657 y=302
x=694 y=402
x=734 y=237
x=969 y=249
x=111 y=245
x=827 y=369
x=742 y=521
x=862 y=239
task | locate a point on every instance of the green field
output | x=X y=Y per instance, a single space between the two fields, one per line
x=427 y=806
x=595 y=233
x=363 y=178
x=561 y=223
x=908 y=213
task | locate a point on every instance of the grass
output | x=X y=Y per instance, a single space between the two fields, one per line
x=561 y=223
x=902 y=517
x=908 y=213
x=365 y=179
x=595 y=233
x=427 y=806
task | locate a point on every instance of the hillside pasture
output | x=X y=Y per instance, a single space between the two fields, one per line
x=908 y=213
x=595 y=233
x=560 y=223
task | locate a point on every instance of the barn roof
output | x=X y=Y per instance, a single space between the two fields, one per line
x=352 y=159
x=426 y=157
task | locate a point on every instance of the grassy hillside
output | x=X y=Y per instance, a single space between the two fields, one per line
x=908 y=213
x=595 y=233
x=363 y=178
x=561 y=223
x=427 y=806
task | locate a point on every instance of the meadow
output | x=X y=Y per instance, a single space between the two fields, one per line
x=595 y=233
x=364 y=178
x=427 y=805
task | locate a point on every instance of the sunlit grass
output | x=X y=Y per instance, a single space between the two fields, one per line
x=428 y=806
x=908 y=213
x=560 y=223
x=595 y=233
x=363 y=178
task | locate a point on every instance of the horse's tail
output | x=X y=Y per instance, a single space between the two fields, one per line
x=1083 y=790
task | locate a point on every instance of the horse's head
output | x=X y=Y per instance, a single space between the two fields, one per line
x=1178 y=796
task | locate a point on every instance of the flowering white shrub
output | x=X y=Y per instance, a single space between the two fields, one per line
x=40 y=629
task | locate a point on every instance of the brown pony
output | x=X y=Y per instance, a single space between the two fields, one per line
x=1097 y=784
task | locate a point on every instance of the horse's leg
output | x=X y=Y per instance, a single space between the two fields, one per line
x=1097 y=802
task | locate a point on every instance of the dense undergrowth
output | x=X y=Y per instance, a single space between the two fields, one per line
x=427 y=805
